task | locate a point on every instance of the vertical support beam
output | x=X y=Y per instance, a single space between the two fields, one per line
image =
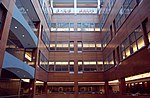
x=45 y=87
x=75 y=7
x=106 y=89
x=144 y=31
x=117 y=58
x=32 y=88
x=122 y=85
x=76 y=89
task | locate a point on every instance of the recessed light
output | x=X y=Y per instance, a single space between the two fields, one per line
x=16 y=27
x=27 y=9
x=22 y=35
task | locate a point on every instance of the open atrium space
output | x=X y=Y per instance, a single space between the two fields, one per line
x=74 y=48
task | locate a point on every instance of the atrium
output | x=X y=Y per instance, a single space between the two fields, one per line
x=74 y=49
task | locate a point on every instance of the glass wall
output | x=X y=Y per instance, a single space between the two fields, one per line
x=84 y=46
x=62 y=46
x=90 y=66
x=132 y=43
x=61 y=66
x=124 y=12
x=43 y=61
x=71 y=27
x=109 y=62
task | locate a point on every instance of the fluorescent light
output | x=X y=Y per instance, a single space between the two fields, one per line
x=136 y=77
x=39 y=82
x=114 y=81
x=26 y=80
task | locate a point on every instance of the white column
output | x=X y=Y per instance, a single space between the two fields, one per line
x=51 y=3
x=98 y=6
x=75 y=7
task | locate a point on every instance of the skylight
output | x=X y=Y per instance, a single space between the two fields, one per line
x=75 y=6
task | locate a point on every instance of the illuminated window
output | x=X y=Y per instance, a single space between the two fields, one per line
x=51 y=66
x=90 y=66
x=97 y=27
x=45 y=39
x=62 y=26
x=71 y=46
x=52 y=45
x=62 y=45
x=61 y=66
x=100 y=66
x=79 y=27
x=89 y=62
x=28 y=56
x=71 y=66
x=43 y=61
x=149 y=36
x=72 y=27
x=80 y=66
x=109 y=62
x=99 y=62
x=89 y=45
x=53 y=27
x=128 y=52
x=140 y=43
x=79 y=46
x=133 y=43
x=98 y=46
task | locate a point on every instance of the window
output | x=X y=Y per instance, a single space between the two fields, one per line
x=124 y=12
x=89 y=45
x=112 y=2
x=106 y=12
x=51 y=66
x=62 y=46
x=43 y=62
x=72 y=27
x=28 y=57
x=71 y=67
x=71 y=45
x=146 y=25
x=109 y=62
x=98 y=46
x=100 y=66
x=61 y=66
x=3 y=12
x=45 y=12
x=52 y=45
x=80 y=66
x=106 y=39
x=79 y=46
x=45 y=39
x=79 y=27
x=133 y=43
x=62 y=26
x=97 y=27
x=53 y=27
x=90 y=66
